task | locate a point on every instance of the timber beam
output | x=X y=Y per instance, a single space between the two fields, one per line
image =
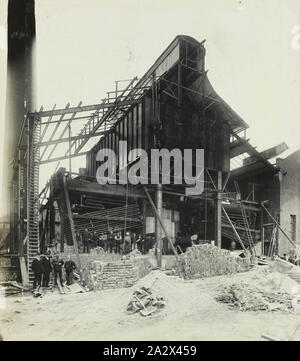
x=86 y=108
x=114 y=190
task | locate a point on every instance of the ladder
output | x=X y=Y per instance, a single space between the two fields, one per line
x=245 y=220
x=33 y=245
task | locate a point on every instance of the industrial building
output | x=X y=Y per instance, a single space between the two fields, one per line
x=173 y=105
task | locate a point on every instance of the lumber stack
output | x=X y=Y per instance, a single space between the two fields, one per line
x=206 y=261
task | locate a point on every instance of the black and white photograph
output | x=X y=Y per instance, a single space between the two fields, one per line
x=149 y=173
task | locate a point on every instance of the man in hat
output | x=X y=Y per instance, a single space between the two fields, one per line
x=37 y=269
x=110 y=240
x=57 y=268
x=86 y=240
x=70 y=266
x=127 y=240
x=118 y=241
x=47 y=268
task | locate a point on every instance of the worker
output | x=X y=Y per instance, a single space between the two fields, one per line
x=86 y=240
x=79 y=239
x=117 y=242
x=127 y=243
x=94 y=239
x=46 y=269
x=104 y=240
x=148 y=244
x=110 y=240
x=137 y=243
x=37 y=270
x=194 y=238
x=232 y=247
x=57 y=268
x=70 y=266
x=101 y=240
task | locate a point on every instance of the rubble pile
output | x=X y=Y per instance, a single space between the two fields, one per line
x=250 y=298
x=207 y=260
x=263 y=291
x=11 y=288
x=144 y=302
x=134 y=253
x=124 y=273
x=97 y=250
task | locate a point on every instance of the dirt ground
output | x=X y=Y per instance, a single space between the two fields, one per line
x=191 y=313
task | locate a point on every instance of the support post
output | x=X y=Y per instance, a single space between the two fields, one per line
x=219 y=211
x=262 y=232
x=144 y=205
x=160 y=221
x=70 y=215
x=234 y=230
x=159 y=207
x=283 y=232
x=70 y=147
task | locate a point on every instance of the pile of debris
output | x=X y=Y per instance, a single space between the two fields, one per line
x=132 y=254
x=97 y=250
x=263 y=291
x=11 y=288
x=207 y=260
x=144 y=302
x=250 y=298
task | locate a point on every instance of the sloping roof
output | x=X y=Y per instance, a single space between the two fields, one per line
x=211 y=98
x=225 y=111
x=286 y=154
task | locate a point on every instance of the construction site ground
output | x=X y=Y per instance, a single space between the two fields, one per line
x=191 y=313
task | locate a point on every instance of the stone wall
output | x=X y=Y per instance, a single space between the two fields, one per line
x=98 y=275
x=86 y=258
x=289 y=201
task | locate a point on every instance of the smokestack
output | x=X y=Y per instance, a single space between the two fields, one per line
x=20 y=84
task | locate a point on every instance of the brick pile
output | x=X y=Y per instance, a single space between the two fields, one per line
x=99 y=275
x=201 y=261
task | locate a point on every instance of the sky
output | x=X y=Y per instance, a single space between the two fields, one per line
x=252 y=55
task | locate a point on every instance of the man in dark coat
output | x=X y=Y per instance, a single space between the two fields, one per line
x=57 y=268
x=47 y=268
x=37 y=269
x=127 y=243
x=86 y=240
x=118 y=241
x=70 y=266
x=95 y=239
x=79 y=239
x=110 y=241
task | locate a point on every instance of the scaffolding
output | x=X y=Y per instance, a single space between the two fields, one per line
x=43 y=132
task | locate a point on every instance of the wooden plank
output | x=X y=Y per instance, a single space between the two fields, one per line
x=268 y=153
x=67 y=139
x=115 y=190
x=24 y=273
x=61 y=158
x=234 y=230
x=252 y=151
x=70 y=215
x=86 y=108
x=237 y=148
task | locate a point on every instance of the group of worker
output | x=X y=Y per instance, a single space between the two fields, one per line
x=45 y=265
x=112 y=242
